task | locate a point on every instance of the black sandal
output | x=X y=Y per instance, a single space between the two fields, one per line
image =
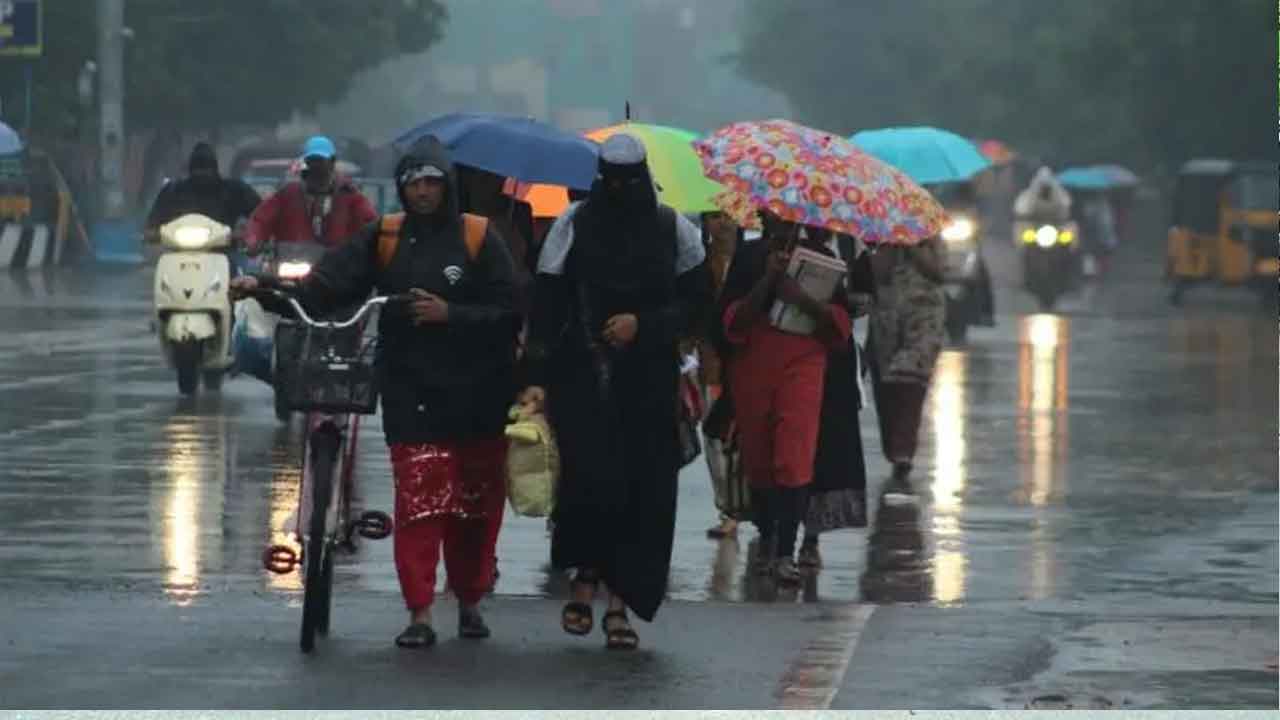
x=585 y=616
x=417 y=635
x=619 y=638
x=471 y=625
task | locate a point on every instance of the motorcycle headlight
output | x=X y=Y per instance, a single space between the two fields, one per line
x=1029 y=236
x=293 y=270
x=1046 y=236
x=192 y=237
x=1066 y=237
x=960 y=229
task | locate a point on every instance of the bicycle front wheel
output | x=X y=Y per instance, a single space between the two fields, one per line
x=318 y=583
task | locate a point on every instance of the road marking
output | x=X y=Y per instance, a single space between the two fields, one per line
x=39 y=243
x=10 y=239
x=816 y=676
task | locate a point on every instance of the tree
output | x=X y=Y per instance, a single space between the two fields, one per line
x=199 y=66
x=1142 y=82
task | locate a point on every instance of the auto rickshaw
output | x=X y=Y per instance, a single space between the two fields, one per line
x=1224 y=227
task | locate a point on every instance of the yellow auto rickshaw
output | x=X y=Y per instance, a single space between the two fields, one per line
x=1225 y=226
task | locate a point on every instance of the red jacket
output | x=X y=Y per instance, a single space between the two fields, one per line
x=284 y=216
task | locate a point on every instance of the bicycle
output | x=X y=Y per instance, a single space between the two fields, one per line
x=333 y=382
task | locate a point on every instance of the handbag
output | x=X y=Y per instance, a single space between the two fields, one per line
x=689 y=412
x=728 y=481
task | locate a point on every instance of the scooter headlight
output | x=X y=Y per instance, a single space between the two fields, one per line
x=1066 y=237
x=293 y=270
x=192 y=237
x=1046 y=236
x=1029 y=236
x=959 y=230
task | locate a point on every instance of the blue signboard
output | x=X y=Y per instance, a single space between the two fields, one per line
x=21 y=28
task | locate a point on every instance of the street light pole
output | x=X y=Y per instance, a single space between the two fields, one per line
x=111 y=106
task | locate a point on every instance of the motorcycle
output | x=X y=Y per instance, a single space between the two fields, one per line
x=257 y=329
x=192 y=305
x=1050 y=262
x=960 y=276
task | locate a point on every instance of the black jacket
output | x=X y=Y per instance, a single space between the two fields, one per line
x=439 y=382
x=222 y=199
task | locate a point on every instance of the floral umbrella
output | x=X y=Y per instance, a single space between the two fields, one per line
x=816 y=178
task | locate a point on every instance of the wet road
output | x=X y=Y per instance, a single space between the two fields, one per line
x=1096 y=525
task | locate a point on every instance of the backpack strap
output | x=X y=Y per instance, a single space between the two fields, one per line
x=388 y=238
x=474 y=229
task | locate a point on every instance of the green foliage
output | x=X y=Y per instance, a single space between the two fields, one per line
x=1147 y=83
x=203 y=65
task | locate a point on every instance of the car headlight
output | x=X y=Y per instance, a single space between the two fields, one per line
x=293 y=270
x=192 y=237
x=1046 y=236
x=959 y=230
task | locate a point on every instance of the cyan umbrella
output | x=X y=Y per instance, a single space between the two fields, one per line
x=1085 y=178
x=927 y=155
x=1118 y=175
x=10 y=142
x=512 y=146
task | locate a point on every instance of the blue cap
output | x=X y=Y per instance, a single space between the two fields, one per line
x=319 y=146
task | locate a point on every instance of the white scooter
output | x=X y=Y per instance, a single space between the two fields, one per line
x=192 y=301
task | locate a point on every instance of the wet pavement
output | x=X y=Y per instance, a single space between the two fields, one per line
x=1094 y=525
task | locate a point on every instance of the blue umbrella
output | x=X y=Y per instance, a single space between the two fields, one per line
x=926 y=154
x=10 y=142
x=518 y=147
x=1085 y=178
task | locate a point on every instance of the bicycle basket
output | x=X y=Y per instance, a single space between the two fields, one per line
x=327 y=370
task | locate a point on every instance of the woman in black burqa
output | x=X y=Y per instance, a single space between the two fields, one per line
x=621 y=279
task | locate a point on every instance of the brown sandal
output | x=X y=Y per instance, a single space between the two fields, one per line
x=584 y=621
x=619 y=638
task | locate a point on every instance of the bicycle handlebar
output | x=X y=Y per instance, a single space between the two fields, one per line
x=328 y=324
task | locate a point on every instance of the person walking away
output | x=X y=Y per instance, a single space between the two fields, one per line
x=621 y=279
x=907 y=326
x=446 y=366
x=205 y=192
x=776 y=379
x=721 y=237
x=482 y=195
x=838 y=496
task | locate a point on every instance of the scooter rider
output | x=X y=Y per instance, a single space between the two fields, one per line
x=1044 y=200
x=205 y=192
x=323 y=207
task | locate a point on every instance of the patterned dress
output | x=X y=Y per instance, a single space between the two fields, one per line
x=907 y=323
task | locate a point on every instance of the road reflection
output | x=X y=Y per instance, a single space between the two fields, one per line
x=948 y=416
x=198 y=462
x=1043 y=432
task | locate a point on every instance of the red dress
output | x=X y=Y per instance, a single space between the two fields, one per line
x=777 y=391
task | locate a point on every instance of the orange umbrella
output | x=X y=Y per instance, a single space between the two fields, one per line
x=547 y=201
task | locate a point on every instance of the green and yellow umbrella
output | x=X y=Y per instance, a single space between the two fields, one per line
x=672 y=161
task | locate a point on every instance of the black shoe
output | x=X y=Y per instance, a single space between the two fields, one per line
x=416 y=636
x=471 y=625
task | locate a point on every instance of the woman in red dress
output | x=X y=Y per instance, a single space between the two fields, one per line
x=777 y=380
